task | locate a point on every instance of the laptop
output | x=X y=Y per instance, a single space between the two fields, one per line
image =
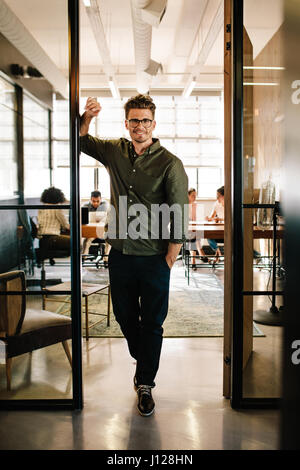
x=96 y=217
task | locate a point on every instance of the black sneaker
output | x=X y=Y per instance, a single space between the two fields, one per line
x=145 y=401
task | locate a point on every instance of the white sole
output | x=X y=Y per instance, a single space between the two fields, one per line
x=146 y=414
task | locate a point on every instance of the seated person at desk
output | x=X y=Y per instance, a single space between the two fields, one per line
x=193 y=238
x=51 y=222
x=217 y=215
x=95 y=206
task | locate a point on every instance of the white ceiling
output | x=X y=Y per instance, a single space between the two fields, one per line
x=176 y=43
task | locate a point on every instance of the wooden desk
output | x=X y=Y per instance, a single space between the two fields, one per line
x=207 y=229
x=93 y=230
x=216 y=231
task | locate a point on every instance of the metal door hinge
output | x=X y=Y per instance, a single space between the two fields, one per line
x=228 y=46
x=228 y=28
x=227 y=360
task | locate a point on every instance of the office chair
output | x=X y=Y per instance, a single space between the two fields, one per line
x=96 y=254
x=45 y=251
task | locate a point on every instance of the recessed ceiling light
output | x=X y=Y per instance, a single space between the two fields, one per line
x=261 y=84
x=113 y=88
x=256 y=67
x=187 y=91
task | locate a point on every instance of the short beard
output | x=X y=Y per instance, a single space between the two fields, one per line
x=141 y=138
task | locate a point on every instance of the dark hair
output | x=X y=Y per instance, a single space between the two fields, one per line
x=221 y=190
x=191 y=190
x=95 y=194
x=52 y=196
x=140 y=102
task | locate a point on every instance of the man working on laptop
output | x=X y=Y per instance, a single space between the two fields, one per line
x=95 y=206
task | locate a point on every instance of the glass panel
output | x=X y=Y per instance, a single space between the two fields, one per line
x=165 y=114
x=62 y=179
x=181 y=123
x=87 y=182
x=8 y=162
x=188 y=130
x=165 y=129
x=192 y=176
x=36 y=147
x=104 y=183
x=60 y=146
x=262 y=161
x=109 y=130
x=187 y=149
x=169 y=144
x=35 y=242
x=46 y=372
x=209 y=180
x=61 y=128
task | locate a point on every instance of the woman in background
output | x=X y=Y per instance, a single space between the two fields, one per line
x=217 y=215
x=52 y=222
x=193 y=238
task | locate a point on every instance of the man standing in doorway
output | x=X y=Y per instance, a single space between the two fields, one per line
x=145 y=175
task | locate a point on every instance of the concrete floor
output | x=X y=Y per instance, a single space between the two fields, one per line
x=190 y=410
x=190 y=414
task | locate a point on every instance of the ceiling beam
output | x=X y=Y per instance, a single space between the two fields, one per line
x=94 y=16
x=211 y=37
x=187 y=29
x=128 y=91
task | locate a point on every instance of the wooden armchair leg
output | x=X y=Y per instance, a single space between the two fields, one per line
x=67 y=351
x=86 y=318
x=108 y=307
x=8 y=364
x=44 y=302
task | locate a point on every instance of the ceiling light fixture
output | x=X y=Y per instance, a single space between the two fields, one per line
x=87 y=3
x=94 y=16
x=261 y=84
x=254 y=67
x=25 y=71
x=189 y=88
x=279 y=118
x=113 y=88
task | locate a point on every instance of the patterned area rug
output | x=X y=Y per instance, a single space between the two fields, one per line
x=195 y=310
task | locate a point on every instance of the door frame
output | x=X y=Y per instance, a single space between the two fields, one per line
x=234 y=181
x=227 y=199
x=76 y=402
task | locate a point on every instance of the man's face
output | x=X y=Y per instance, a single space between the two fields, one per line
x=95 y=201
x=140 y=133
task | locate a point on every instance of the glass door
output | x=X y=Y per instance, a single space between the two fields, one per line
x=258 y=249
x=40 y=278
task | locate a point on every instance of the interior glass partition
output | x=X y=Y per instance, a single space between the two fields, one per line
x=259 y=266
x=9 y=169
x=190 y=127
x=36 y=124
x=40 y=322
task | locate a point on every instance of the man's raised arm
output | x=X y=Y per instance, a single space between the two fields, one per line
x=92 y=109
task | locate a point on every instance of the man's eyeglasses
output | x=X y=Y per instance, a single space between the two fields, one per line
x=135 y=122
